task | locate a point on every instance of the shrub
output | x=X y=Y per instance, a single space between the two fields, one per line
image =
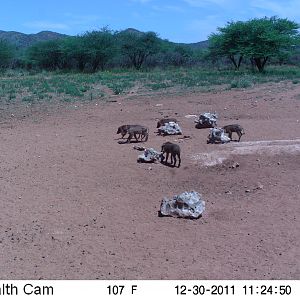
x=241 y=83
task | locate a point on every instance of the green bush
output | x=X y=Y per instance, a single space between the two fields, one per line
x=241 y=83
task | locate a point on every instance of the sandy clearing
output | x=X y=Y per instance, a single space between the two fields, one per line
x=76 y=205
x=269 y=148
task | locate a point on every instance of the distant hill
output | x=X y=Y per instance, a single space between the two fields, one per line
x=22 y=40
x=199 y=45
x=132 y=30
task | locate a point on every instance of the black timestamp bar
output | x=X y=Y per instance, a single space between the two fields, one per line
x=203 y=290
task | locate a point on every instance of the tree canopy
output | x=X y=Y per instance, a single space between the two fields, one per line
x=100 y=47
x=257 y=39
x=138 y=46
x=6 y=53
x=47 y=55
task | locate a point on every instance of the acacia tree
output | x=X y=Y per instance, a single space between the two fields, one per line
x=228 y=43
x=100 y=47
x=180 y=55
x=137 y=46
x=6 y=53
x=46 y=54
x=257 y=39
x=75 y=52
x=269 y=37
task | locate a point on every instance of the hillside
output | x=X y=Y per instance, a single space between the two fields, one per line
x=198 y=45
x=22 y=40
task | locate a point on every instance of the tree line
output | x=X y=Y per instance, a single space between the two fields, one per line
x=100 y=50
x=255 y=42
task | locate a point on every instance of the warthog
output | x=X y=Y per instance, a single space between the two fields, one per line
x=174 y=149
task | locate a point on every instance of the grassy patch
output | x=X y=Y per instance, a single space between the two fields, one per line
x=28 y=99
x=243 y=82
x=64 y=87
x=158 y=86
x=120 y=86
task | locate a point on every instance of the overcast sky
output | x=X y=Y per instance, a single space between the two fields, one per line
x=176 y=20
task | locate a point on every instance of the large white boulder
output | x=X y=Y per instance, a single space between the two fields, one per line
x=207 y=120
x=170 y=128
x=217 y=135
x=149 y=155
x=186 y=205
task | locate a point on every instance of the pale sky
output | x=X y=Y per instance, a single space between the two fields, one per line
x=184 y=21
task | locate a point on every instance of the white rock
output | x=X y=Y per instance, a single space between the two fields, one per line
x=206 y=120
x=185 y=205
x=170 y=128
x=260 y=186
x=149 y=155
x=217 y=135
x=190 y=116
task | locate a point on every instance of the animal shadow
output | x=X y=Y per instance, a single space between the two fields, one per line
x=168 y=164
x=131 y=142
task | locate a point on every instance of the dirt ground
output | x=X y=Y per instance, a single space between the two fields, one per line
x=75 y=204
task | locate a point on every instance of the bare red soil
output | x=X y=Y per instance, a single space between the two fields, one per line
x=75 y=204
